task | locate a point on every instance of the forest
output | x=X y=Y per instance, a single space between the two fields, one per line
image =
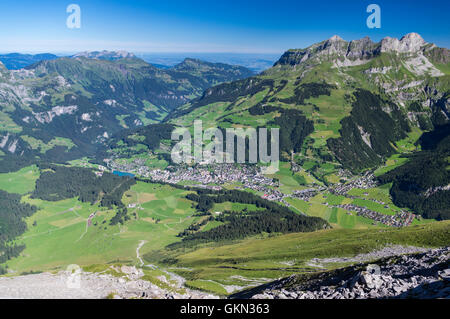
x=294 y=126
x=60 y=182
x=306 y=91
x=272 y=218
x=420 y=183
x=380 y=129
x=151 y=135
x=12 y=225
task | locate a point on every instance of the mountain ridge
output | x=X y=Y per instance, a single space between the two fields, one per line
x=94 y=97
x=15 y=61
x=358 y=52
x=105 y=55
x=363 y=112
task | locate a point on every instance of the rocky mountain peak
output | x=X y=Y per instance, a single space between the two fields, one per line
x=412 y=37
x=366 y=41
x=362 y=48
x=412 y=42
x=334 y=45
x=335 y=38
x=355 y=51
x=105 y=55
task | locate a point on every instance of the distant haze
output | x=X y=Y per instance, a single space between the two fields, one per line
x=256 y=62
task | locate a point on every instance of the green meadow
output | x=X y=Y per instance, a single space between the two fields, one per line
x=261 y=258
x=337 y=217
x=20 y=182
x=44 y=147
x=58 y=233
x=72 y=232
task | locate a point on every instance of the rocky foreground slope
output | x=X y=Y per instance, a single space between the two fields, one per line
x=84 y=285
x=421 y=275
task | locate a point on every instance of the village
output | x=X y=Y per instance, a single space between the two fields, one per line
x=364 y=182
x=250 y=177
x=400 y=219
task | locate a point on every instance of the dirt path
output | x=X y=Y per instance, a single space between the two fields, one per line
x=88 y=223
x=172 y=276
x=141 y=243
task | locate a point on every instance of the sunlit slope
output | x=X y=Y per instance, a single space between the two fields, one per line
x=368 y=94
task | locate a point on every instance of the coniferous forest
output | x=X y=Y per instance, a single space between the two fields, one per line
x=12 y=224
x=60 y=182
x=270 y=218
x=420 y=183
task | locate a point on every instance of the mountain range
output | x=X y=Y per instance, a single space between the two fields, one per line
x=344 y=106
x=255 y=62
x=86 y=175
x=362 y=96
x=15 y=61
x=81 y=100
x=360 y=99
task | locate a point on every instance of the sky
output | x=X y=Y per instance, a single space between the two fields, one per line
x=245 y=26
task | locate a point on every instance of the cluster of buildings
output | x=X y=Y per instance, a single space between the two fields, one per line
x=364 y=182
x=400 y=219
x=214 y=176
x=306 y=194
x=218 y=174
x=344 y=174
x=275 y=195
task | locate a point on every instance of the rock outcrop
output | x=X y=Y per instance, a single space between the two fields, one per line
x=421 y=275
x=412 y=42
x=90 y=286
x=356 y=52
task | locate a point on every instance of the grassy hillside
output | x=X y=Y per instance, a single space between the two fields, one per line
x=360 y=111
x=67 y=108
x=342 y=118
x=261 y=258
x=70 y=231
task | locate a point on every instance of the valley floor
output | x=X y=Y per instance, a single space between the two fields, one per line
x=159 y=212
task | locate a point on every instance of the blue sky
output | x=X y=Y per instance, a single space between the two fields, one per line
x=246 y=26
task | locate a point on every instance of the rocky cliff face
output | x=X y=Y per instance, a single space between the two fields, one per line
x=410 y=43
x=356 y=52
x=3 y=70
